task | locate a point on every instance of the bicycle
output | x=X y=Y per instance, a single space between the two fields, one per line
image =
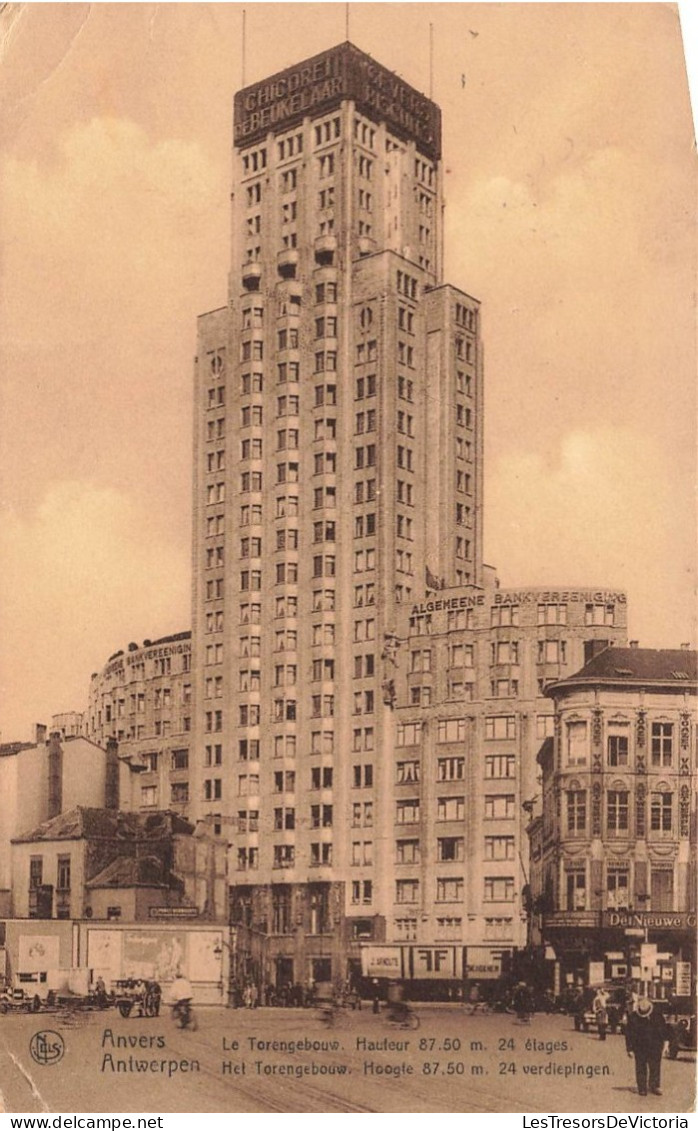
x=184 y=1015
x=327 y=1013
x=403 y=1018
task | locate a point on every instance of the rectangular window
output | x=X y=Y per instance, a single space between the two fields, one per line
x=406 y=929
x=618 y=747
x=407 y=851
x=499 y=848
x=450 y=769
x=502 y=616
x=662 y=743
x=63 y=874
x=576 y=889
x=451 y=730
x=599 y=614
x=498 y=889
x=500 y=726
x=449 y=889
x=499 y=806
x=406 y=772
x=617 y=888
x=450 y=848
x=406 y=891
x=552 y=614
x=450 y=808
x=661 y=806
x=500 y=766
x=617 y=811
x=577 y=744
x=407 y=812
x=576 y=811
x=408 y=734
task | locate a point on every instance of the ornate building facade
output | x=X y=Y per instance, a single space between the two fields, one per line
x=615 y=847
x=142 y=700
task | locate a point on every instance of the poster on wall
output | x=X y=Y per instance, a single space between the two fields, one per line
x=205 y=954
x=104 y=952
x=159 y=955
x=39 y=953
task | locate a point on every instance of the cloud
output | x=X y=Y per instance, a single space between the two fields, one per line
x=98 y=234
x=81 y=572
x=597 y=510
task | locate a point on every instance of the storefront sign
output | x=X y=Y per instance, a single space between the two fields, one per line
x=173 y=913
x=651 y=920
x=381 y=962
x=482 y=963
x=575 y=919
x=436 y=962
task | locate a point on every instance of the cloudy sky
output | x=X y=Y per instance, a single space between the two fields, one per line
x=570 y=213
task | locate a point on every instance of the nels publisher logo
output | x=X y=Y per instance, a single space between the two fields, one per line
x=47 y=1047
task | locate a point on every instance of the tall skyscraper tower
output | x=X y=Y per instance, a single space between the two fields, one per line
x=337 y=476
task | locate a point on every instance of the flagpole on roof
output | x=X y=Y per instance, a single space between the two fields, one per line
x=244 y=30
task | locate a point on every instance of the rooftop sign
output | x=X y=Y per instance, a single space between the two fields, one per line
x=319 y=84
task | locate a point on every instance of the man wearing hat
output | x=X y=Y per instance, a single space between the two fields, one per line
x=645 y=1036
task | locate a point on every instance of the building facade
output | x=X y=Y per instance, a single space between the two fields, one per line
x=340 y=365
x=142 y=700
x=40 y=779
x=615 y=846
x=95 y=863
x=69 y=724
x=469 y=677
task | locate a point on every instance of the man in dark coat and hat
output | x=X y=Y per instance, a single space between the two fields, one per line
x=645 y=1036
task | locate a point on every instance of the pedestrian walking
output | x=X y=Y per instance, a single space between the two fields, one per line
x=523 y=1003
x=600 y=1008
x=376 y=995
x=645 y=1036
x=474 y=996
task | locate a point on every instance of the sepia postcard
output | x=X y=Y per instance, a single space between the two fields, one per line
x=348 y=556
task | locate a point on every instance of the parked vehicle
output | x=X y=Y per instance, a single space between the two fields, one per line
x=137 y=997
x=681 y=1019
x=26 y=993
x=14 y=999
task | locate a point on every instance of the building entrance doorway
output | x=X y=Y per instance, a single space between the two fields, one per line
x=284 y=972
x=662 y=892
x=321 y=969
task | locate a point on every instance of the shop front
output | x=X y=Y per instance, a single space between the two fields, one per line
x=656 y=951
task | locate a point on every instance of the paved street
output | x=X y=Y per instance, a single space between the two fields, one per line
x=453 y=1063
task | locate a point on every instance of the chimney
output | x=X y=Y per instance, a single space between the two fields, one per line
x=55 y=775
x=39 y=734
x=634 y=643
x=111 y=781
x=686 y=647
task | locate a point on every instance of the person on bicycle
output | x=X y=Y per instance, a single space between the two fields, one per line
x=181 y=994
x=181 y=989
x=397 y=1006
